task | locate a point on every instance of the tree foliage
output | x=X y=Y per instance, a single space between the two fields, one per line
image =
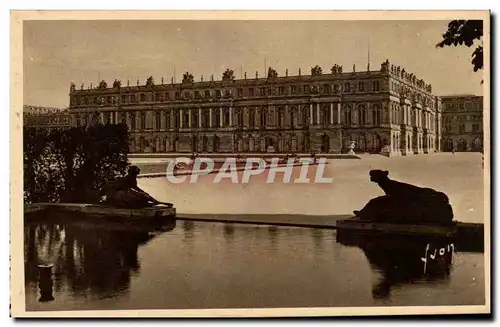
x=465 y=32
x=71 y=165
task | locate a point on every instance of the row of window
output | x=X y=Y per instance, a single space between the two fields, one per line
x=192 y=120
x=456 y=118
x=218 y=94
x=463 y=106
x=449 y=127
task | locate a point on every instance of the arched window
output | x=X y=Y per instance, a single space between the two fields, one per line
x=280 y=119
x=263 y=117
x=167 y=119
x=376 y=115
x=325 y=115
x=305 y=116
x=251 y=117
x=239 y=118
x=293 y=115
x=158 y=120
x=227 y=121
x=347 y=115
x=361 y=115
x=194 y=118
x=133 y=125
x=206 y=118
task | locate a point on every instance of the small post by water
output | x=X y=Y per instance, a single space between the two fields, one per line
x=45 y=282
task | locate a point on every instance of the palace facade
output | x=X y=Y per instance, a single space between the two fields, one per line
x=46 y=117
x=320 y=112
x=462 y=123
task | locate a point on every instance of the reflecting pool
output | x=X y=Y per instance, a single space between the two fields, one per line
x=190 y=265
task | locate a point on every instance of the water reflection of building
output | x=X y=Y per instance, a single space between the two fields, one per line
x=89 y=262
x=462 y=123
x=402 y=261
x=318 y=112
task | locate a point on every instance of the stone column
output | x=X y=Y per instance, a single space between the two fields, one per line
x=230 y=116
x=181 y=120
x=101 y=117
x=221 y=115
x=369 y=114
x=339 y=115
x=210 y=117
x=318 y=121
x=311 y=116
x=331 y=113
x=199 y=117
x=189 y=118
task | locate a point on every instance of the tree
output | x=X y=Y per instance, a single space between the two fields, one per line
x=465 y=32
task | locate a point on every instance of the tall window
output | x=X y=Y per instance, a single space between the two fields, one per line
x=240 y=118
x=158 y=121
x=167 y=96
x=185 y=119
x=251 y=118
x=143 y=97
x=361 y=86
x=293 y=89
x=376 y=115
x=167 y=119
x=133 y=125
x=218 y=94
x=280 y=117
x=263 y=117
x=207 y=94
x=205 y=121
x=347 y=87
x=240 y=92
x=461 y=128
x=306 y=89
x=194 y=118
x=142 y=121
x=251 y=92
x=281 y=90
x=376 y=86
x=325 y=116
x=197 y=94
x=177 y=119
x=132 y=98
x=226 y=118
x=262 y=91
x=216 y=114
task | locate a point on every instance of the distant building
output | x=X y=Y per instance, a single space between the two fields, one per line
x=322 y=112
x=462 y=123
x=46 y=117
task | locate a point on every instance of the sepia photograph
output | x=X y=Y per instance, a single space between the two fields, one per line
x=250 y=164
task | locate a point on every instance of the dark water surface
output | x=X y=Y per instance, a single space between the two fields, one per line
x=214 y=265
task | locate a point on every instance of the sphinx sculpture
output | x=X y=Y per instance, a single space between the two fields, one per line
x=405 y=203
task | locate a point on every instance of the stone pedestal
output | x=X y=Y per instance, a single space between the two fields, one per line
x=386 y=151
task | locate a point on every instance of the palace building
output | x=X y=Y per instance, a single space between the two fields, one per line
x=462 y=122
x=320 y=112
x=46 y=117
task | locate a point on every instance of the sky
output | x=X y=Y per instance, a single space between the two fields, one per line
x=56 y=53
